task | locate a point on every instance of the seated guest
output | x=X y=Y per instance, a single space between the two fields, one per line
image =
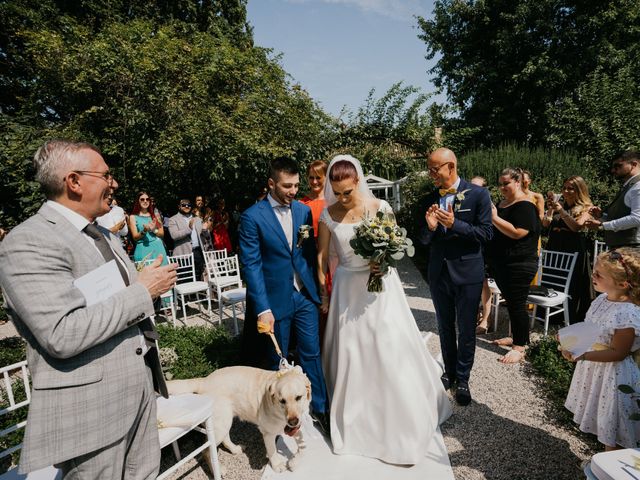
x=566 y=220
x=115 y=220
x=146 y=230
x=512 y=256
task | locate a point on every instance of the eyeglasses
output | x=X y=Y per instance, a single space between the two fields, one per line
x=435 y=170
x=146 y=199
x=188 y=205
x=617 y=256
x=106 y=176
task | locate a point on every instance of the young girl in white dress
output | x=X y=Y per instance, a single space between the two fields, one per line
x=597 y=405
x=386 y=396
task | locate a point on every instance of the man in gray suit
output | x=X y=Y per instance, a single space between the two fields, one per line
x=93 y=367
x=185 y=229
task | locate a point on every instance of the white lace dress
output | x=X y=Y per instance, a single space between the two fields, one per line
x=384 y=387
x=597 y=405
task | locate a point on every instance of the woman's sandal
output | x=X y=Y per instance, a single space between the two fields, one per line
x=482 y=330
x=504 y=342
x=513 y=356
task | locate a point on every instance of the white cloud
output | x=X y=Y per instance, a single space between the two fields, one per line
x=396 y=9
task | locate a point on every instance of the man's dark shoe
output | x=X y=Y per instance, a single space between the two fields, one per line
x=463 y=395
x=322 y=422
x=447 y=382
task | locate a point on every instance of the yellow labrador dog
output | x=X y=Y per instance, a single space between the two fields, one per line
x=275 y=401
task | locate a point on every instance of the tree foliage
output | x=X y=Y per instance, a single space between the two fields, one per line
x=173 y=93
x=504 y=63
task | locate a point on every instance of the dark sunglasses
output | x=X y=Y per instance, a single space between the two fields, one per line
x=185 y=205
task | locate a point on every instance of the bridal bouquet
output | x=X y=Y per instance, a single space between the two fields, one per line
x=379 y=239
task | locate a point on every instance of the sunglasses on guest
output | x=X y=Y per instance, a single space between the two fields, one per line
x=187 y=205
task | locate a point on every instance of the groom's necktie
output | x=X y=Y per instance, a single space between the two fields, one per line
x=287 y=223
x=103 y=246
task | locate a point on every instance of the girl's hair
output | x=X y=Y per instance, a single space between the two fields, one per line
x=152 y=207
x=623 y=264
x=342 y=170
x=319 y=167
x=583 y=201
x=512 y=173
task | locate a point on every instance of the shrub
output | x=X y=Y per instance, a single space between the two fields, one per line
x=12 y=350
x=200 y=350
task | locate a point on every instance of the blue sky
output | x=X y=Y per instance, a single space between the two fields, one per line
x=339 y=49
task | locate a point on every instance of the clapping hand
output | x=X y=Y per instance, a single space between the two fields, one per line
x=595 y=212
x=445 y=217
x=430 y=217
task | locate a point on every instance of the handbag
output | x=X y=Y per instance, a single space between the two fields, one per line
x=542 y=291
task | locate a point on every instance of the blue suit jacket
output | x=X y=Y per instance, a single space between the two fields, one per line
x=269 y=264
x=460 y=246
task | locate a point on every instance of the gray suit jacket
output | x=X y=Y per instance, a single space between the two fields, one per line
x=181 y=233
x=87 y=379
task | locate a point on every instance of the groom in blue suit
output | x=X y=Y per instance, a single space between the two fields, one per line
x=456 y=225
x=279 y=266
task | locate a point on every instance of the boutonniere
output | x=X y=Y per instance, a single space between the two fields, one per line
x=460 y=196
x=304 y=232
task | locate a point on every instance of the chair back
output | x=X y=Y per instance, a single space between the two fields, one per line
x=226 y=271
x=185 y=269
x=14 y=393
x=557 y=269
x=598 y=248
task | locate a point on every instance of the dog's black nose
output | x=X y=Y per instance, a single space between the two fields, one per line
x=293 y=422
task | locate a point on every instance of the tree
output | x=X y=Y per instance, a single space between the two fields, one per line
x=173 y=93
x=503 y=63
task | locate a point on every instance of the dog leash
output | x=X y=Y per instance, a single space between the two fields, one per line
x=284 y=364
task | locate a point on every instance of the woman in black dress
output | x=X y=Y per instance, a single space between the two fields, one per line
x=565 y=219
x=512 y=256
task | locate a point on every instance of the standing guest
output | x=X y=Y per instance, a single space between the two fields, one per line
x=598 y=406
x=457 y=224
x=282 y=290
x=566 y=221
x=621 y=220
x=185 y=229
x=482 y=326
x=220 y=221
x=316 y=176
x=93 y=407
x=115 y=220
x=146 y=230
x=512 y=256
x=202 y=207
x=534 y=197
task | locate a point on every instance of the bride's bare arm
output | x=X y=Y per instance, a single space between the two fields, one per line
x=324 y=239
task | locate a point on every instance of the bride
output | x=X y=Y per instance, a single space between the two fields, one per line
x=385 y=391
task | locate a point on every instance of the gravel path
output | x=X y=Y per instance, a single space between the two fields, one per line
x=506 y=433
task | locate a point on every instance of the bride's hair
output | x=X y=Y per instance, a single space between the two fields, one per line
x=341 y=170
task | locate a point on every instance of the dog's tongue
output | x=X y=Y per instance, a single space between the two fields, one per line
x=291 y=431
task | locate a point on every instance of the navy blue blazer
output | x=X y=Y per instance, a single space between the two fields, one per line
x=461 y=246
x=267 y=262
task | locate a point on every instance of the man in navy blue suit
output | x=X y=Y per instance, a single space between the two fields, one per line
x=279 y=266
x=457 y=223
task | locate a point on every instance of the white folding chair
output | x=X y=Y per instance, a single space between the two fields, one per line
x=177 y=416
x=224 y=278
x=167 y=305
x=187 y=285
x=496 y=300
x=598 y=248
x=556 y=273
x=15 y=383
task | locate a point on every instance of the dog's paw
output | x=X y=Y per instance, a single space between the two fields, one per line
x=236 y=449
x=293 y=463
x=278 y=463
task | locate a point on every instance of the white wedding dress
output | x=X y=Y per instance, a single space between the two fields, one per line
x=386 y=396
